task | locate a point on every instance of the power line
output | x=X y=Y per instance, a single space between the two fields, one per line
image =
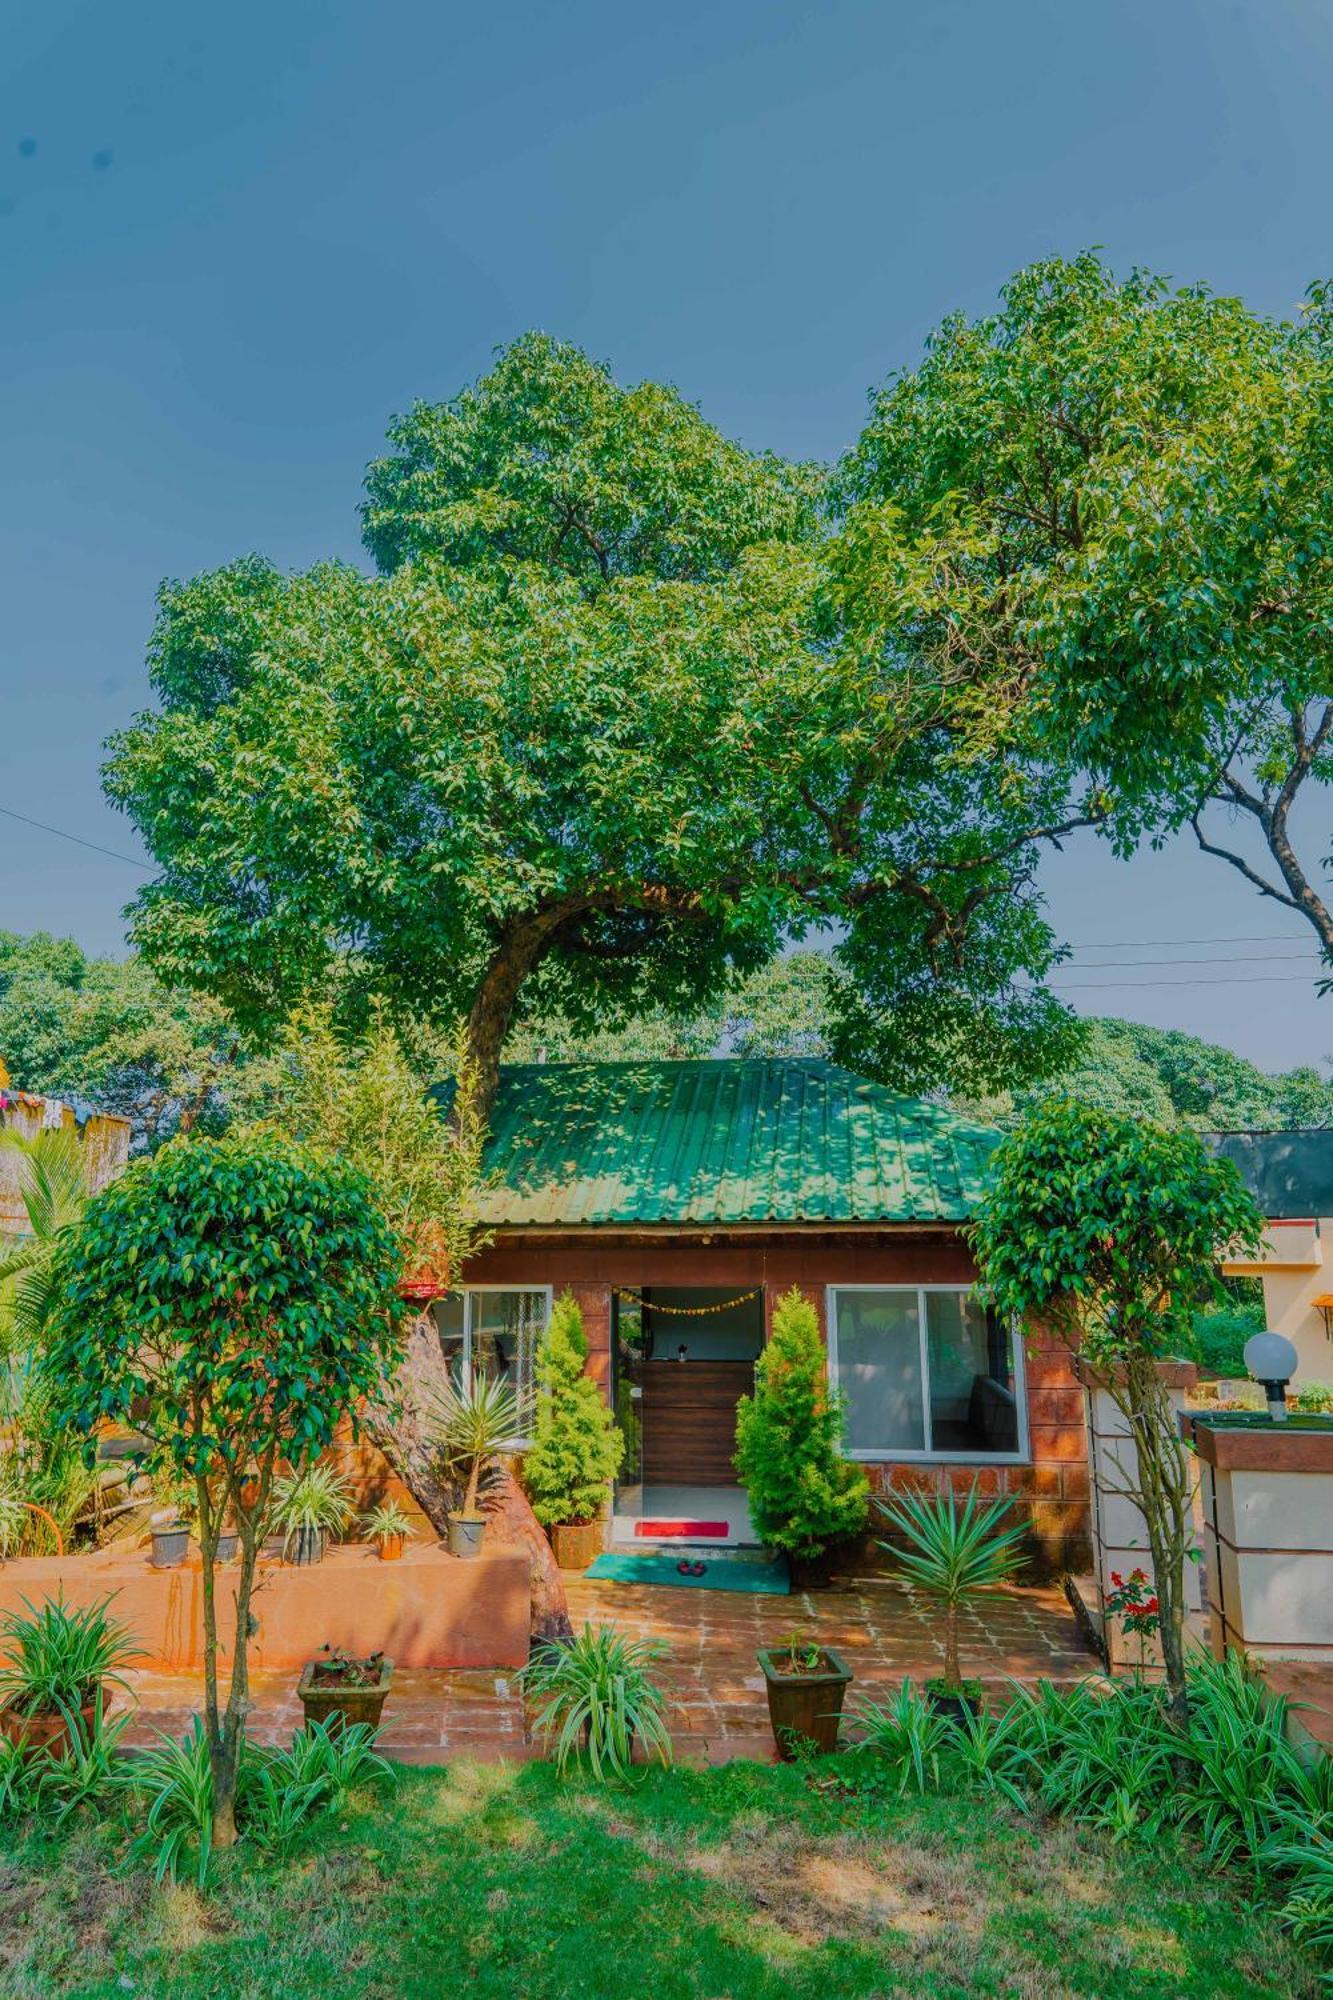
x=129 y=859
x=1238 y=958
x=1218 y=985
x=1142 y=944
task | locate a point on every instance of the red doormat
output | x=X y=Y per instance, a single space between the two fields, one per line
x=693 y=1530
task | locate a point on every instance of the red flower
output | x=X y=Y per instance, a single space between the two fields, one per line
x=1117 y=1579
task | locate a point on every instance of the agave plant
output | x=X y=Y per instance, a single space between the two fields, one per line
x=955 y=1555
x=596 y=1695
x=476 y=1422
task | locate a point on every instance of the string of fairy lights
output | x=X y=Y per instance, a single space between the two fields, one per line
x=686 y=1312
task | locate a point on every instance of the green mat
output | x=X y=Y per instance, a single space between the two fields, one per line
x=759 y=1576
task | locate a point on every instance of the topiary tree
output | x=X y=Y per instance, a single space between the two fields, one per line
x=576 y=1449
x=803 y=1493
x=233 y=1299
x=1110 y=1231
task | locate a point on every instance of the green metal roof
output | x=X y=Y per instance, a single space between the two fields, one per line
x=722 y=1141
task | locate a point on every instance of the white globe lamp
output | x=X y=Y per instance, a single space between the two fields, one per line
x=1271 y=1359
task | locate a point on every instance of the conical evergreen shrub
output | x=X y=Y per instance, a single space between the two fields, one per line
x=576 y=1448
x=803 y=1493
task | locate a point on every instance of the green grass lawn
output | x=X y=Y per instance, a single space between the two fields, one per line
x=747 y=1883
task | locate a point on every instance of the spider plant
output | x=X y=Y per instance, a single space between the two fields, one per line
x=476 y=1422
x=596 y=1695
x=13 y=1523
x=312 y=1504
x=177 y=1778
x=954 y=1555
x=56 y=1661
x=908 y=1733
x=387 y=1523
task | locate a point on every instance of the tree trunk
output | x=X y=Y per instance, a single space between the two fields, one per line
x=512 y=1521
x=519 y=953
x=953 y=1669
x=402 y=1434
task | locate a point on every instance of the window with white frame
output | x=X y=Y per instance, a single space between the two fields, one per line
x=925 y=1372
x=493 y=1330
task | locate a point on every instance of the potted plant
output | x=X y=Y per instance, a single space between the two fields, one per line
x=389 y=1528
x=228 y=1538
x=954 y=1555
x=476 y=1422
x=806 y=1685
x=597 y=1697
x=171 y=1538
x=803 y=1494
x=337 y=1689
x=576 y=1447
x=57 y=1664
x=307 y=1508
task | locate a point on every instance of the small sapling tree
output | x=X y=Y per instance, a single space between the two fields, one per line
x=803 y=1493
x=232 y=1299
x=1110 y=1231
x=576 y=1449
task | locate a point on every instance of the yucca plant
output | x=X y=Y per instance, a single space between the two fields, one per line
x=311 y=1504
x=955 y=1555
x=596 y=1695
x=56 y=1661
x=476 y=1422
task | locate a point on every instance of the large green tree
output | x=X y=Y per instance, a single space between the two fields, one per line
x=1127 y=489
x=618 y=716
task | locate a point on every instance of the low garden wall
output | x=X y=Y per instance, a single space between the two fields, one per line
x=429 y=1610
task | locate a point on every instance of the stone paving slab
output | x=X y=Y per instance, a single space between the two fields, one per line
x=715 y=1690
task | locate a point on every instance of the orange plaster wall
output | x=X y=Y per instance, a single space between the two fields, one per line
x=429 y=1610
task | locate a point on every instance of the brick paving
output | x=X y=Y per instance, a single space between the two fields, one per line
x=716 y=1693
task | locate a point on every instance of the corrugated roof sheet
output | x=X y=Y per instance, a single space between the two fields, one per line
x=722 y=1141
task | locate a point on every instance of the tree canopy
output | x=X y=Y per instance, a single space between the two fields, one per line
x=108 y=1032
x=620 y=715
x=1125 y=488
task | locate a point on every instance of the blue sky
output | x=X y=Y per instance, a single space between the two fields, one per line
x=234 y=241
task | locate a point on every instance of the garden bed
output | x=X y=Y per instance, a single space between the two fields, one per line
x=428 y=1610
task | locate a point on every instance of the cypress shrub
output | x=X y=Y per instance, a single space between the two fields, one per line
x=576 y=1448
x=803 y=1493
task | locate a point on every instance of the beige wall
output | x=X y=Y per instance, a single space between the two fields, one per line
x=106 y=1144
x=1296 y=1267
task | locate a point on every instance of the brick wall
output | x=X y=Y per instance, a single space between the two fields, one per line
x=1050 y=1492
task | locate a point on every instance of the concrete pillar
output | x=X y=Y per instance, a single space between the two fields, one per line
x=1268 y=1513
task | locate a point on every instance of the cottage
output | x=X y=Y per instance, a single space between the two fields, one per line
x=678 y=1201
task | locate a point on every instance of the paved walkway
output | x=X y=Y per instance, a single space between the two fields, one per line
x=718 y=1706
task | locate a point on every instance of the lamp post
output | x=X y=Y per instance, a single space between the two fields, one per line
x=1271 y=1359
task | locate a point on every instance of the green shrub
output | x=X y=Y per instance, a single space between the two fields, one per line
x=1313 y=1399
x=803 y=1493
x=1220 y=1337
x=576 y=1449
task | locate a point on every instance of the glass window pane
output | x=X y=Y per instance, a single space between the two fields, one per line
x=505 y=1330
x=879 y=1370
x=973 y=1407
x=448 y=1313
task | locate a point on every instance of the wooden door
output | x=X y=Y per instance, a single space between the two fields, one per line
x=689 y=1420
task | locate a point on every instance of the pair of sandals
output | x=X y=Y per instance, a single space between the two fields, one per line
x=688 y=1568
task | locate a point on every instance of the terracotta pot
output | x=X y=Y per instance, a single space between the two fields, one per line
x=578 y=1543
x=466 y=1533
x=339 y=1706
x=391 y=1548
x=35 y=1733
x=806 y=1707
